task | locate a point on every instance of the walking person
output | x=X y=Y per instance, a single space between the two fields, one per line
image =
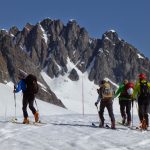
x=29 y=87
x=125 y=92
x=105 y=99
x=142 y=93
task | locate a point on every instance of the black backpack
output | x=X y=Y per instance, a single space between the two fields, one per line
x=144 y=90
x=31 y=84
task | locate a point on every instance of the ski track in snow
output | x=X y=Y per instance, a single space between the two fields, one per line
x=70 y=132
x=65 y=129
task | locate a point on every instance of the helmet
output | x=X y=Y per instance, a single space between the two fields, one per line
x=125 y=81
x=103 y=81
x=142 y=76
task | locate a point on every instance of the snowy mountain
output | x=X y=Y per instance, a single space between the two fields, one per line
x=64 y=129
x=50 y=47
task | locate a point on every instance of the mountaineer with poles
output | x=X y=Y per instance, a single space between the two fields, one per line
x=105 y=98
x=142 y=94
x=29 y=87
x=125 y=92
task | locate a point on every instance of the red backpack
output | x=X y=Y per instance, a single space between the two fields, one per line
x=128 y=91
x=129 y=88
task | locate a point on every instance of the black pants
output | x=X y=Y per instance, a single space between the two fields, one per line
x=109 y=105
x=143 y=104
x=125 y=109
x=143 y=113
x=28 y=99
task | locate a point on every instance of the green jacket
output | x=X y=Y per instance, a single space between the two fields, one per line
x=136 y=92
x=120 y=91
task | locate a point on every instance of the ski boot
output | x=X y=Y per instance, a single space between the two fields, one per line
x=36 y=116
x=128 y=123
x=101 y=125
x=144 y=125
x=123 y=120
x=113 y=125
x=26 y=121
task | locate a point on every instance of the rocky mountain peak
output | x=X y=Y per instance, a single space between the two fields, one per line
x=50 y=46
x=28 y=27
x=110 y=35
x=13 y=30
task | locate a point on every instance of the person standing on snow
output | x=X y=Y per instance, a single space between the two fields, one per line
x=142 y=93
x=29 y=88
x=125 y=92
x=105 y=99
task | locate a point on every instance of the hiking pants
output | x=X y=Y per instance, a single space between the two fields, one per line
x=125 y=109
x=143 y=105
x=109 y=105
x=28 y=99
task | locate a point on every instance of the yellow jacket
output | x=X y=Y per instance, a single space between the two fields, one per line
x=136 y=92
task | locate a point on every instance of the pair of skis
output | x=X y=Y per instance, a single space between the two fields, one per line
x=39 y=123
x=133 y=127
x=106 y=126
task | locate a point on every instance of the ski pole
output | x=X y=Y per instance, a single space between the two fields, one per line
x=36 y=106
x=15 y=102
x=37 y=110
x=132 y=113
x=98 y=114
x=5 y=112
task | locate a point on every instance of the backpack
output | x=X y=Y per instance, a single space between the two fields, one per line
x=144 y=90
x=129 y=89
x=106 y=92
x=31 y=84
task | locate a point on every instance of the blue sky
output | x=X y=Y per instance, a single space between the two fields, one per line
x=129 y=18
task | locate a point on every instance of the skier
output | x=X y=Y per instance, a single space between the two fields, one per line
x=125 y=92
x=142 y=93
x=105 y=99
x=29 y=88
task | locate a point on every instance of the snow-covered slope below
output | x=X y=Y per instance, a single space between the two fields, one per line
x=64 y=129
x=7 y=104
x=70 y=132
x=73 y=94
x=78 y=96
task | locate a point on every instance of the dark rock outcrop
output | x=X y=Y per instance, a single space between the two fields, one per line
x=50 y=45
x=74 y=75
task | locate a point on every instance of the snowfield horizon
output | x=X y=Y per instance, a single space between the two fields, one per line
x=65 y=129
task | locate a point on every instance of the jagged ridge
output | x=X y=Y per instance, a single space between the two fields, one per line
x=48 y=45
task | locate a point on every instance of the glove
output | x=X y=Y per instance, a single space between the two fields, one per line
x=132 y=102
x=113 y=97
x=133 y=99
x=96 y=103
x=14 y=91
x=98 y=91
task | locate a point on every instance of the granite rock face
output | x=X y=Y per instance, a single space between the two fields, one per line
x=49 y=45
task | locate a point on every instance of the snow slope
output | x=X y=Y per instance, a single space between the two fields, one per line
x=70 y=132
x=77 y=95
x=7 y=103
x=74 y=93
x=64 y=129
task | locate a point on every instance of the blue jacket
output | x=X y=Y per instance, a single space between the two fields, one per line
x=21 y=86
